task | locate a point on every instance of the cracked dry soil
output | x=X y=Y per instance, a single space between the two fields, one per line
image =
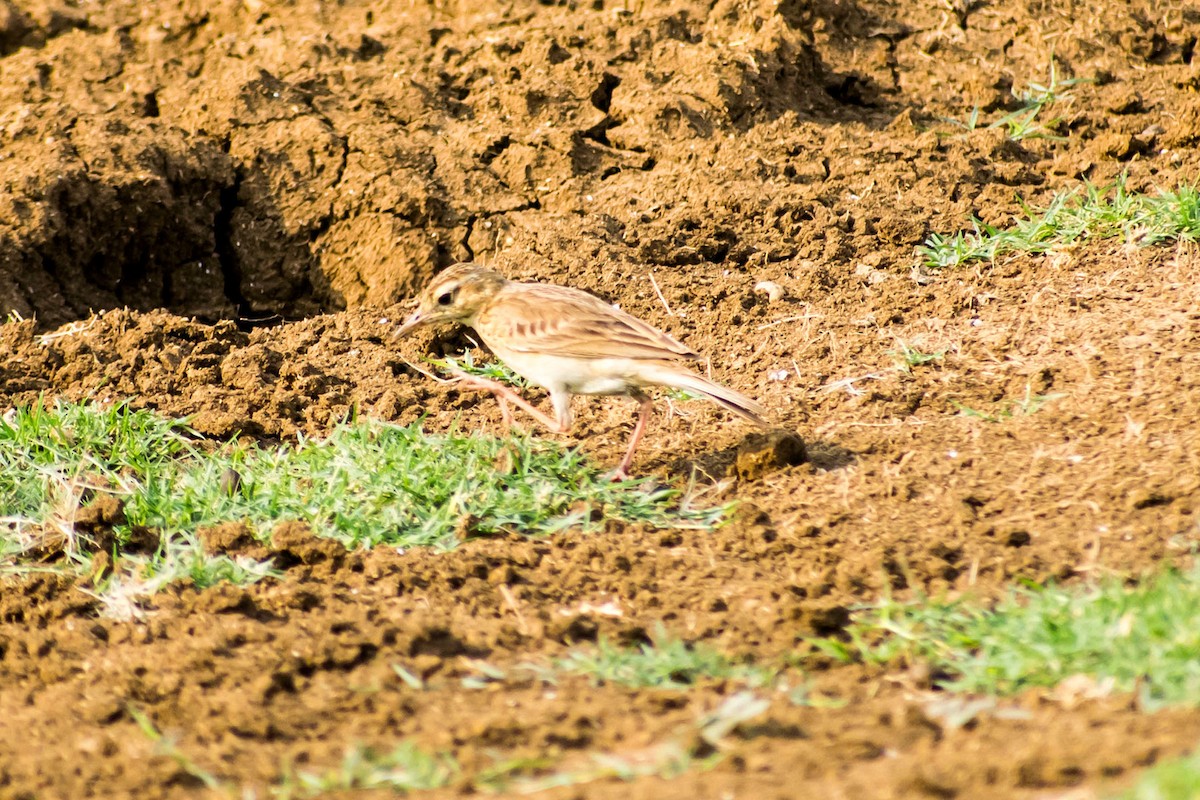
x=244 y=191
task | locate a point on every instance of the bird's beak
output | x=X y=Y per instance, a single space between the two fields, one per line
x=416 y=320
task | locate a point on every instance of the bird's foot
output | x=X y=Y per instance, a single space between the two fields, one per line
x=617 y=475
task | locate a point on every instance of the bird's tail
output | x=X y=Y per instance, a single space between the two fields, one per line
x=736 y=402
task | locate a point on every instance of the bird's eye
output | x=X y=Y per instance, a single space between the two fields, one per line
x=445 y=298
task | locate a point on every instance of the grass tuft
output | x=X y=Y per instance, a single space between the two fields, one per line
x=371 y=483
x=1110 y=212
x=667 y=663
x=368 y=483
x=1177 y=779
x=907 y=356
x=1027 y=121
x=406 y=768
x=698 y=749
x=492 y=370
x=1140 y=639
x=1008 y=409
x=166 y=746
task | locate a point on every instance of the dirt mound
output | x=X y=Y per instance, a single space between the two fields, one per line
x=243 y=191
x=293 y=164
x=234 y=160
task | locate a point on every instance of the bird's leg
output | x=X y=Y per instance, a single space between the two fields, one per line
x=645 y=409
x=561 y=400
x=506 y=416
x=505 y=395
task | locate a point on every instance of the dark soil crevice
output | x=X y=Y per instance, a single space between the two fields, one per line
x=231 y=273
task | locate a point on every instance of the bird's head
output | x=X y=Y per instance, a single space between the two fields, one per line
x=456 y=294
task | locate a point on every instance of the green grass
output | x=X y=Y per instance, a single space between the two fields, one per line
x=166 y=746
x=54 y=460
x=908 y=356
x=1027 y=121
x=492 y=370
x=368 y=483
x=1143 y=638
x=698 y=749
x=1008 y=409
x=405 y=768
x=1110 y=212
x=1177 y=779
x=668 y=663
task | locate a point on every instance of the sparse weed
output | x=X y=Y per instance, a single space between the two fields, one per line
x=696 y=749
x=166 y=746
x=1111 y=212
x=1173 y=779
x=492 y=370
x=960 y=248
x=667 y=663
x=907 y=356
x=1008 y=409
x=1139 y=639
x=1025 y=122
x=527 y=771
x=406 y=768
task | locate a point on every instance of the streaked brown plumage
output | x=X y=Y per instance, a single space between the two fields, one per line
x=568 y=342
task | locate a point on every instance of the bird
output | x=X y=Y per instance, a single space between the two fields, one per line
x=568 y=342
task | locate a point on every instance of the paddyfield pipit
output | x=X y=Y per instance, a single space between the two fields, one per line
x=568 y=342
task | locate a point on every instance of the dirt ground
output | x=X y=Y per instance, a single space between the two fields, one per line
x=246 y=192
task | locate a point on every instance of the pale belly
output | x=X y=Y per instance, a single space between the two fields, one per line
x=575 y=375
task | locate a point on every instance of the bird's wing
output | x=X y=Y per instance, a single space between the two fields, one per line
x=558 y=320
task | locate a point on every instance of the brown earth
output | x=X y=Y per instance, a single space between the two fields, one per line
x=255 y=186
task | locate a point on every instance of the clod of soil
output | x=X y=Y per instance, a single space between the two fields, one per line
x=761 y=453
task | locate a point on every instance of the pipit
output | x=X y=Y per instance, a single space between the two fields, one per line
x=568 y=342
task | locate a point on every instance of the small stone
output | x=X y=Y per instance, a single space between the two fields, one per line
x=231 y=482
x=771 y=289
